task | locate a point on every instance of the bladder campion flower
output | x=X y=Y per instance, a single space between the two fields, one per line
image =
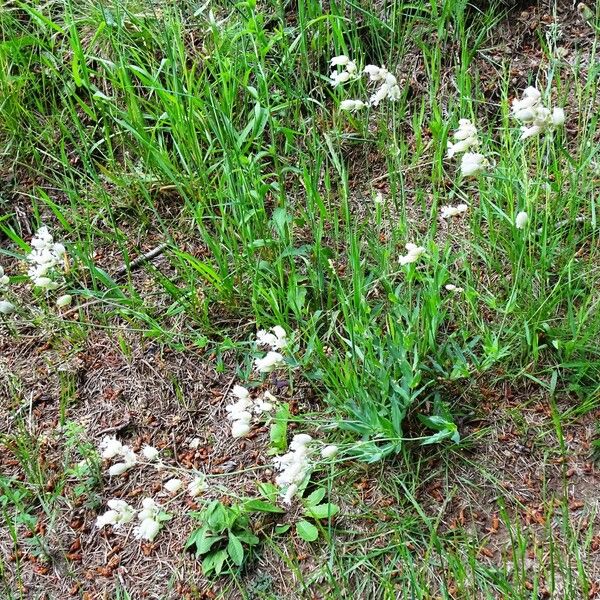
x=329 y=451
x=473 y=163
x=64 y=300
x=46 y=257
x=275 y=338
x=6 y=307
x=521 y=220
x=150 y=453
x=465 y=138
x=271 y=361
x=536 y=117
x=196 y=486
x=453 y=211
x=352 y=105
x=413 y=255
x=120 y=513
x=294 y=466
x=173 y=485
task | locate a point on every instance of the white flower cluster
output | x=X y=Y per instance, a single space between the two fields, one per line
x=388 y=87
x=414 y=253
x=536 y=117
x=521 y=220
x=46 y=260
x=453 y=211
x=246 y=408
x=388 y=84
x=275 y=339
x=294 y=466
x=119 y=514
x=472 y=163
x=348 y=72
x=149 y=523
x=111 y=447
x=465 y=138
x=6 y=307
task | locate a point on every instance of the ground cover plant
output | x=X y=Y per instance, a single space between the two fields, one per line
x=299 y=299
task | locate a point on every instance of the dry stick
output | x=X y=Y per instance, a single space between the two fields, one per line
x=120 y=272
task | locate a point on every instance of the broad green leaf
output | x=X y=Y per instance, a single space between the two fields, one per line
x=262 y=506
x=307 y=531
x=235 y=550
x=315 y=497
x=322 y=511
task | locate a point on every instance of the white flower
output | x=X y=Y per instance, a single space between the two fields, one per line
x=110 y=447
x=340 y=61
x=465 y=138
x=294 y=467
x=525 y=109
x=289 y=493
x=414 y=253
x=300 y=440
x=240 y=392
x=6 y=307
x=196 y=486
x=173 y=485
x=64 y=300
x=453 y=288
x=329 y=451
x=129 y=457
x=472 y=163
x=240 y=428
x=150 y=509
x=45 y=283
x=339 y=78
x=389 y=85
x=453 y=211
x=276 y=338
x=108 y=518
x=194 y=443
x=45 y=257
x=558 y=117
x=352 y=105
x=260 y=406
x=270 y=362
x=349 y=71
x=375 y=73
x=4 y=279
x=120 y=513
x=150 y=452
x=118 y=469
x=532 y=112
x=147 y=530
x=521 y=220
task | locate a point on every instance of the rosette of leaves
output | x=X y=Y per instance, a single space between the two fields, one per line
x=225 y=539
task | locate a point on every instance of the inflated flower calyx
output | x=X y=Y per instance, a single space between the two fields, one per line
x=536 y=117
x=414 y=253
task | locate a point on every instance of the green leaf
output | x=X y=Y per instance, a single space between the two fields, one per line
x=307 y=531
x=219 y=559
x=322 y=511
x=235 y=550
x=248 y=538
x=262 y=506
x=279 y=529
x=269 y=491
x=278 y=432
x=315 y=497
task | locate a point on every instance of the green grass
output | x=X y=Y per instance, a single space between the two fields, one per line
x=124 y=125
